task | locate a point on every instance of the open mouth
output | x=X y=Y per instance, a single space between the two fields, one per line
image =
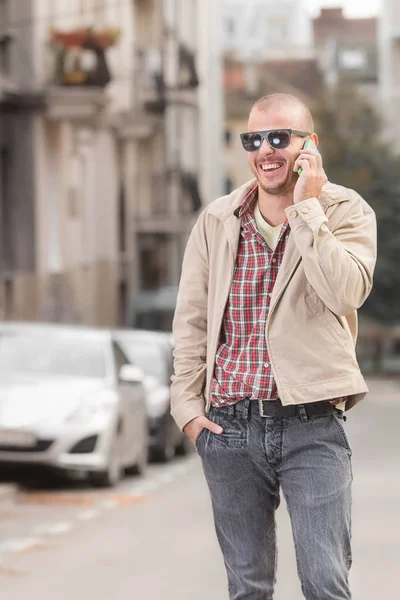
x=271 y=167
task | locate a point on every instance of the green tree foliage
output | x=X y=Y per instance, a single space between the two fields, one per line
x=356 y=156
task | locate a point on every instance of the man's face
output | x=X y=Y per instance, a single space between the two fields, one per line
x=272 y=168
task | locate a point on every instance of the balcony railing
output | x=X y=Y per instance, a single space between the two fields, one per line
x=166 y=202
x=148 y=83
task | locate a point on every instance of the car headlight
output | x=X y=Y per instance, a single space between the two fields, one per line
x=91 y=409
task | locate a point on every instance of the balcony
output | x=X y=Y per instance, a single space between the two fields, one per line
x=167 y=203
x=79 y=103
x=79 y=73
x=184 y=91
x=148 y=82
x=151 y=93
x=80 y=56
x=187 y=67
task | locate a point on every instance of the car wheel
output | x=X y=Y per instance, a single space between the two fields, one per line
x=112 y=475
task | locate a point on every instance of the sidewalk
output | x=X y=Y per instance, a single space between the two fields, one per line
x=8 y=492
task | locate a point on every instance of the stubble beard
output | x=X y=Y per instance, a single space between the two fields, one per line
x=284 y=189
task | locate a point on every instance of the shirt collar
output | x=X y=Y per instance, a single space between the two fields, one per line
x=247 y=208
x=248 y=203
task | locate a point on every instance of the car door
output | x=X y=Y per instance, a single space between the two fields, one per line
x=133 y=410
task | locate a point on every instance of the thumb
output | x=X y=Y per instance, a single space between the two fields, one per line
x=213 y=426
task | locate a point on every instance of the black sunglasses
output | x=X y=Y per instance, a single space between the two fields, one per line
x=276 y=138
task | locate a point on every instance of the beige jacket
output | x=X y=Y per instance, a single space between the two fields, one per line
x=311 y=330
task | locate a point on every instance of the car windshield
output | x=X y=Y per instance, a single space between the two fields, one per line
x=147 y=356
x=51 y=354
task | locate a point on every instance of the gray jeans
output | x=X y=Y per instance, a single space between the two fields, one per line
x=246 y=466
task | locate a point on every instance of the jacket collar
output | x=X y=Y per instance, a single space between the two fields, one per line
x=225 y=208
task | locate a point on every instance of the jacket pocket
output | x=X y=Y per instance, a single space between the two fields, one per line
x=328 y=320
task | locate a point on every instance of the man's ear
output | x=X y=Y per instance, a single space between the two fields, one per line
x=314 y=138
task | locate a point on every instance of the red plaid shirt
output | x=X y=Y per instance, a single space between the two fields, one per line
x=242 y=365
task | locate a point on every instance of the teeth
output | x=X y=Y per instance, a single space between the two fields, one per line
x=270 y=166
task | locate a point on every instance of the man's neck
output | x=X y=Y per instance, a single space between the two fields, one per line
x=272 y=208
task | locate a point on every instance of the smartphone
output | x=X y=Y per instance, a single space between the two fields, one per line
x=308 y=144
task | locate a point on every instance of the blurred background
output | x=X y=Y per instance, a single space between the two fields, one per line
x=119 y=122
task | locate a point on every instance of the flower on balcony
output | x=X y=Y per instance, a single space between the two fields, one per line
x=70 y=48
x=85 y=38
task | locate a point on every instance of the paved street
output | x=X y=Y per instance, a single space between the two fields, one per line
x=153 y=538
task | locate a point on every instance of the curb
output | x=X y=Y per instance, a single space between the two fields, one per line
x=8 y=491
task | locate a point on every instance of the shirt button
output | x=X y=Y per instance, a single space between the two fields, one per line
x=273 y=260
x=293 y=213
x=305 y=211
x=266 y=365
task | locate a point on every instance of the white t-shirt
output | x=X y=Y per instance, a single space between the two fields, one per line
x=269 y=233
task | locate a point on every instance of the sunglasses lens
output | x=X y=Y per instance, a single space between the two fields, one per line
x=251 y=141
x=279 y=139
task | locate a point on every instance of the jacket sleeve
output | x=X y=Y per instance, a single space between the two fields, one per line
x=338 y=264
x=190 y=330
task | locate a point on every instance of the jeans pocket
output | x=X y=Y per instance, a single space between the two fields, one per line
x=234 y=429
x=340 y=428
x=198 y=439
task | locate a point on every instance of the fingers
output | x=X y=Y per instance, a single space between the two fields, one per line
x=303 y=163
x=308 y=161
x=194 y=427
x=212 y=426
x=311 y=153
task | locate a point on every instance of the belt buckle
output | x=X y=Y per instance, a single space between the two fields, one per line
x=261 y=410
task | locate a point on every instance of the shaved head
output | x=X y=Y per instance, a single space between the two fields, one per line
x=291 y=104
x=274 y=167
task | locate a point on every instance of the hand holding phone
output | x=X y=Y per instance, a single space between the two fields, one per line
x=308 y=144
x=311 y=183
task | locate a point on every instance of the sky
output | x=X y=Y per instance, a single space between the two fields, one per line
x=352 y=8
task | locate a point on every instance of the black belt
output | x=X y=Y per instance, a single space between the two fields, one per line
x=274 y=408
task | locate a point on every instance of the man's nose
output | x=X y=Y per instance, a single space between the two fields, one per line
x=265 y=147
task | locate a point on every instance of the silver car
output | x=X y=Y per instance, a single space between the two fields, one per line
x=69 y=399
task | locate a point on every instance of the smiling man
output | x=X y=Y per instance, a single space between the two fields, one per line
x=265 y=365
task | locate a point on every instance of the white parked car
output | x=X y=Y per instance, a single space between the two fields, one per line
x=152 y=352
x=69 y=399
